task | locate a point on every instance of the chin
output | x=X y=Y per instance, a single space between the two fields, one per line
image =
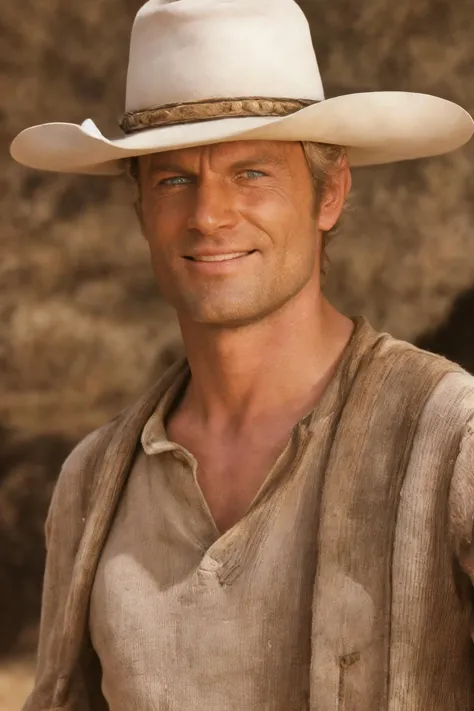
x=224 y=319
x=228 y=315
x=221 y=315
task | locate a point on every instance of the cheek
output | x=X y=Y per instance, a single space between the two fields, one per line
x=286 y=220
x=163 y=222
x=269 y=210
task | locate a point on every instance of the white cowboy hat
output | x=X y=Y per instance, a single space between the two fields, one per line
x=208 y=71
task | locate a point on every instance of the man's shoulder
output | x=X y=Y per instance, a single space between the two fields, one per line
x=412 y=353
x=77 y=472
x=88 y=446
x=453 y=389
x=453 y=400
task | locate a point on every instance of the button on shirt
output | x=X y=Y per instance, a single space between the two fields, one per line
x=186 y=619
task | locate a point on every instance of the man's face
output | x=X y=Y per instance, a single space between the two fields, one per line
x=232 y=228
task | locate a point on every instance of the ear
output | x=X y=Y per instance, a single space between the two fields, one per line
x=334 y=195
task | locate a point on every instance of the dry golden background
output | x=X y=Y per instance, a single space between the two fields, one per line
x=83 y=328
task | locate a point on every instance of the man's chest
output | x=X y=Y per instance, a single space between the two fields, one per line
x=231 y=473
x=171 y=593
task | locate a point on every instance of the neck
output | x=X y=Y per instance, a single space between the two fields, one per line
x=282 y=364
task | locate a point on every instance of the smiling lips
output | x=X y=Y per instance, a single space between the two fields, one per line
x=219 y=257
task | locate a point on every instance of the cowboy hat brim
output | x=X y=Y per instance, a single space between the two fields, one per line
x=376 y=127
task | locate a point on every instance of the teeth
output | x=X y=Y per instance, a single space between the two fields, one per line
x=220 y=257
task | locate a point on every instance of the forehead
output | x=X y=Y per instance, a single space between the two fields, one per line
x=276 y=152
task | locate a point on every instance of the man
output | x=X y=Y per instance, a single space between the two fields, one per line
x=285 y=520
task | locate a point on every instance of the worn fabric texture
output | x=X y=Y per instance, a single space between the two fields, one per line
x=223 y=620
x=393 y=551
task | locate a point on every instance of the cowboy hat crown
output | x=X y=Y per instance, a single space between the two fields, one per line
x=199 y=49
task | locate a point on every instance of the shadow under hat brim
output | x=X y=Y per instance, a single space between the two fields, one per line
x=376 y=127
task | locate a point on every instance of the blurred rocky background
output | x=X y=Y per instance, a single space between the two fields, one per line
x=83 y=328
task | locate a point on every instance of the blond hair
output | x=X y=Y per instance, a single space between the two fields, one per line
x=323 y=160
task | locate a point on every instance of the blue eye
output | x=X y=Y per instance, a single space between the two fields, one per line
x=252 y=174
x=175 y=180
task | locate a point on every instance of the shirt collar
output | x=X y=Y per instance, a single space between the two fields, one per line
x=154 y=438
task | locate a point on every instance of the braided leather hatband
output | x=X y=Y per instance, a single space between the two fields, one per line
x=210 y=110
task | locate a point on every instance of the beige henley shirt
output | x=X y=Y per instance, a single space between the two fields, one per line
x=186 y=619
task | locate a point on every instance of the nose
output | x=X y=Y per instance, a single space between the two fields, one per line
x=214 y=207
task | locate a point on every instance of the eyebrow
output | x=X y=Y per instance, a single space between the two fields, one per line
x=259 y=159
x=166 y=167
